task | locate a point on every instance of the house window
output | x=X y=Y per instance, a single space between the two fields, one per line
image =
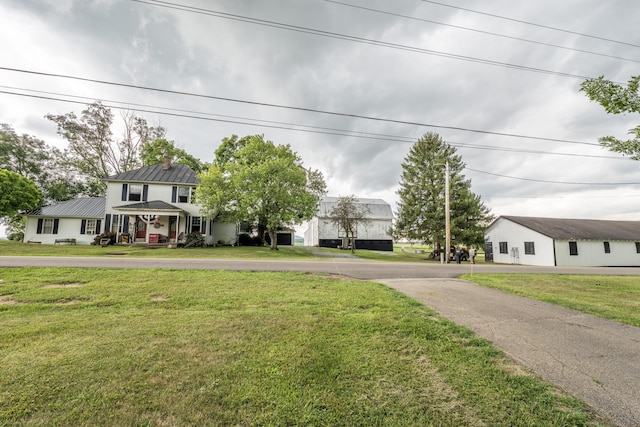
x=91 y=226
x=504 y=248
x=114 y=224
x=47 y=226
x=529 y=248
x=638 y=247
x=573 y=248
x=183 y=194
x=195 y=224
x=607 y=248
x=135 y=192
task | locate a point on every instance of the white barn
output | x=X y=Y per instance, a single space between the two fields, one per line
x=375 y=235
x=563 y=242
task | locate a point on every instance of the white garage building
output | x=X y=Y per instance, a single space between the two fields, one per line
x=563 y=242
x=375 y=235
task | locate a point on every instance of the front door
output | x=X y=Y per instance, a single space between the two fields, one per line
x=141 y=229
x=173 y=225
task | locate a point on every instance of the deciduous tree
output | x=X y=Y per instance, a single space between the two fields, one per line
x=255 y=181
x=421 y=209
x=18 y=194
x=153 y=153
x=347 y=214
x=93 y=150
x=617 y=99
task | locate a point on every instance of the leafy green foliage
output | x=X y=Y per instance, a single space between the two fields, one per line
x=421 y=209
x=18 y=194
x=94 y=152
x=153 y=153
x=256 y=181
x=617 y=99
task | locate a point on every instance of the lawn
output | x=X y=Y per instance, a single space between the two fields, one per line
x=166 y=347
x=612 y=297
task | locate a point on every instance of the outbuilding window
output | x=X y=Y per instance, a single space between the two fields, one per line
x=504 y=248
x=529 y=248
x=638 y=247
x=607 y=248
x=573 y=248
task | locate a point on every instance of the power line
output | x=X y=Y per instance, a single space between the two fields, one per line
x=460 y=27
x=532 y=23
x=273 y=24
x=197 y=115
x=552 y=182
x=288 y=107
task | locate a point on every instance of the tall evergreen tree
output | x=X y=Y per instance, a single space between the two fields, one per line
x=421 y=210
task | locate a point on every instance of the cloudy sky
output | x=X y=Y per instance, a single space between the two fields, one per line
x=497 y=79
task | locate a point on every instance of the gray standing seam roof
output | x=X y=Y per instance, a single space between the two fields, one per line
x=176 y=174
x=85 y=207
x=580 y=229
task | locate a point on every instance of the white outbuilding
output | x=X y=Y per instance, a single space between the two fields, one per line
x=374 y=235
x=563 y=242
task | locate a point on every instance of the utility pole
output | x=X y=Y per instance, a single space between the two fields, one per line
x=447 y=214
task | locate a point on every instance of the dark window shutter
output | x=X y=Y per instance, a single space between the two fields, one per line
x=107 y=222
x=188 y=229
x=145 y=192
x=56 y=222
x=125 y=191
x=203 y=226
x=39 y=229
x=83 y=226
x=174 y=194
x=98 y=223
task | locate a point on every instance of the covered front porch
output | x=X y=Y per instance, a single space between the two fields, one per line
x=152 y=222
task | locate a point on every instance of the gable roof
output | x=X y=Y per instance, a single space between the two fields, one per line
x=580 y=229
x=84 y=207
x=154 y=205
x=175 y=174
x=378 y=208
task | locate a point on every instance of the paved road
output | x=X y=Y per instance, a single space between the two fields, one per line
x=357 y=268
x=596 y=360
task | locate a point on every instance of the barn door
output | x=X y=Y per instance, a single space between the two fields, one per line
x=488 y=252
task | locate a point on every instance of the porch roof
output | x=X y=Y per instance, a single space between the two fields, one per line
x=151 y=206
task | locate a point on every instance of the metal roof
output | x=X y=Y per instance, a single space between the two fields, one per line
x=378 y=208
x=580 y=229
x=175 y=174
x=154 y=205
x=85 y=207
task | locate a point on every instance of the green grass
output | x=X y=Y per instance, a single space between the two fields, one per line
x=611 y=297
x=24 y=249
x=165 y=347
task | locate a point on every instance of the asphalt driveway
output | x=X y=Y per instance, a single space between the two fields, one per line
x=593 y=359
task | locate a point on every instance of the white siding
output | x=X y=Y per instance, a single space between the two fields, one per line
x=311 y=237
x=68 y=228
x=377 y=229
x=503 y=230
x=224 y=232
x=591 y=254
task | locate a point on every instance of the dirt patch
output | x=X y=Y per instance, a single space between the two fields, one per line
x=158 y=298
x=8 y=300
x=63 y=285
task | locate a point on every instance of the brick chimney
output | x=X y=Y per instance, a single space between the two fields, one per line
x=166 y=163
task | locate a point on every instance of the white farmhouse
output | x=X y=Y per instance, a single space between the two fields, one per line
x=563 y=242
x=152 y=204
x=375 y=235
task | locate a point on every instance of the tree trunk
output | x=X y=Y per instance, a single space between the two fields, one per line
x=353 y=245
x=273 y=235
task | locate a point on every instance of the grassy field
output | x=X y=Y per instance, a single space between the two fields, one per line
x=612 y=297
x=166 y=347
x=285 y=252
